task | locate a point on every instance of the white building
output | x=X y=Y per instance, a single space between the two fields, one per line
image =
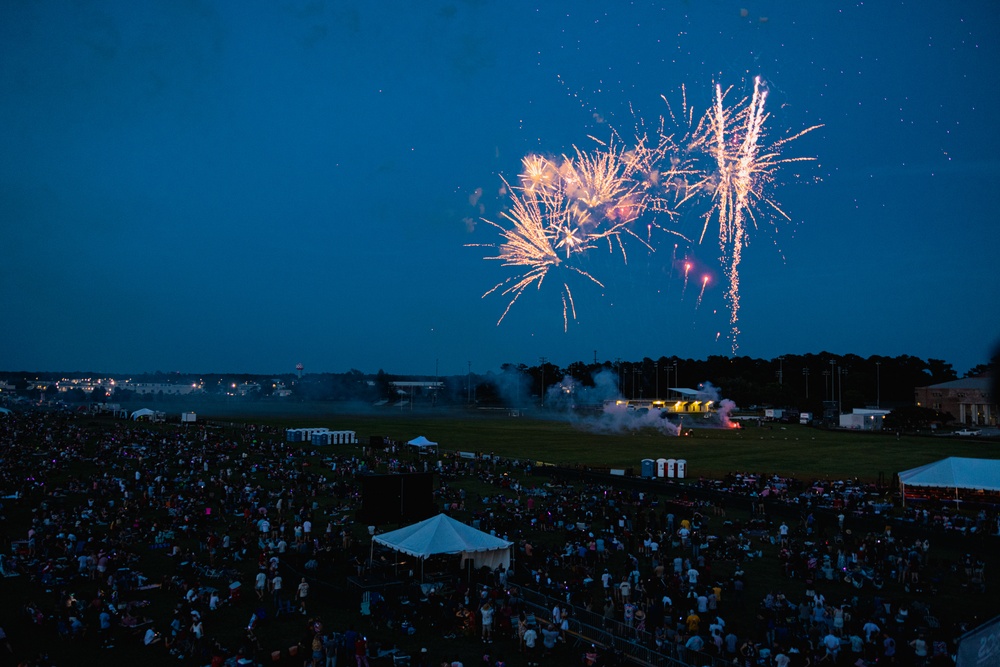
x=863 y=419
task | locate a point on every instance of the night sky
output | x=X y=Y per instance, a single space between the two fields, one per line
x=242 y=186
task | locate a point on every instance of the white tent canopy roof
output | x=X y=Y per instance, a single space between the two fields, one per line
x=443 y=535
x=143 y=412
x=421 y=441
x=955 y=473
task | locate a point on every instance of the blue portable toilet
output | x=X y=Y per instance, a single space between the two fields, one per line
x=648 y=468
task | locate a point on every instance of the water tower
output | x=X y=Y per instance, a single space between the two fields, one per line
x=299 y=367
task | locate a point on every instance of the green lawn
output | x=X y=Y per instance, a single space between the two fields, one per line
x=799 y=451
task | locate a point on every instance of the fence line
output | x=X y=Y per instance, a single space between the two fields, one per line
x=635 y=645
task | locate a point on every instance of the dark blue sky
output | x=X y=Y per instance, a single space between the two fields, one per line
x=241 y=186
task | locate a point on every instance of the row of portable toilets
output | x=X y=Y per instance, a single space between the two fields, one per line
x=321 y=436
x=674 y=468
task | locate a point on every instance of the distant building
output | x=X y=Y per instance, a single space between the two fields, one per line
x=88 y=385
x=864 y=419
x=166 y=388
x=969 y=400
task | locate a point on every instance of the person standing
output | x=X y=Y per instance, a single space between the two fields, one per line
x=301 y=593
x=919 y=646
x=888 y=648
x=530 y=646
x=260 y=584
x=486 y=611
x=276 y=593
x=361 y=651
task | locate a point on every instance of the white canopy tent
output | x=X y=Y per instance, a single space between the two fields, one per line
x=442 y=534
x=144 y=412
x=422 y=443
x=954 y=473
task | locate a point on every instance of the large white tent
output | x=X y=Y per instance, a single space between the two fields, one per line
x=420 y=442
x=442 y=534
x=143 y=412
x=954 y=473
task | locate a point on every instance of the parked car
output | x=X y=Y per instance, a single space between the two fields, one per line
x=969 y=431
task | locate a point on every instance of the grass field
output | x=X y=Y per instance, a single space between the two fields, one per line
x=798 y=451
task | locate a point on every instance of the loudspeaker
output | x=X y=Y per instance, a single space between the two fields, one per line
x=401 y=498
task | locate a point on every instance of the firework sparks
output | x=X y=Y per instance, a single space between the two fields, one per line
x=744 y=170
x=564 y=207
x=531 y=244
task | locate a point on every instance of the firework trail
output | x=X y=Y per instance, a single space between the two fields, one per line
x=564 y=207
x=744 y=170
x=704 y=283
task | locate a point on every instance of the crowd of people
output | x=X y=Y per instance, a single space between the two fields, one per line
x=167 y=538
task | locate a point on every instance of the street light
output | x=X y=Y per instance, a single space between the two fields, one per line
x=805 y=373
x=833 y=378
x=878 y=385
x=541 y=361
x=840 y=390
x=656 y=371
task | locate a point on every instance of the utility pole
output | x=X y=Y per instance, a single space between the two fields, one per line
x=541 y=361
x=878 y=385
x=840 y=390
x=833 y=378
x=468 y=382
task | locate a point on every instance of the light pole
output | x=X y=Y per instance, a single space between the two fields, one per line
x=541 y=361
x=677 y=379
x=878 y=385
x=833 y=378
x=805 y=373
x=781 y=370
x=656 y=371
x=840 y=390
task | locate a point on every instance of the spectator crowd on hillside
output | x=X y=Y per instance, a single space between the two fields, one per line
x=168 y=538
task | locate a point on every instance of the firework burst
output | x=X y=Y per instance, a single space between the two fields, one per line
x=562 y=208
